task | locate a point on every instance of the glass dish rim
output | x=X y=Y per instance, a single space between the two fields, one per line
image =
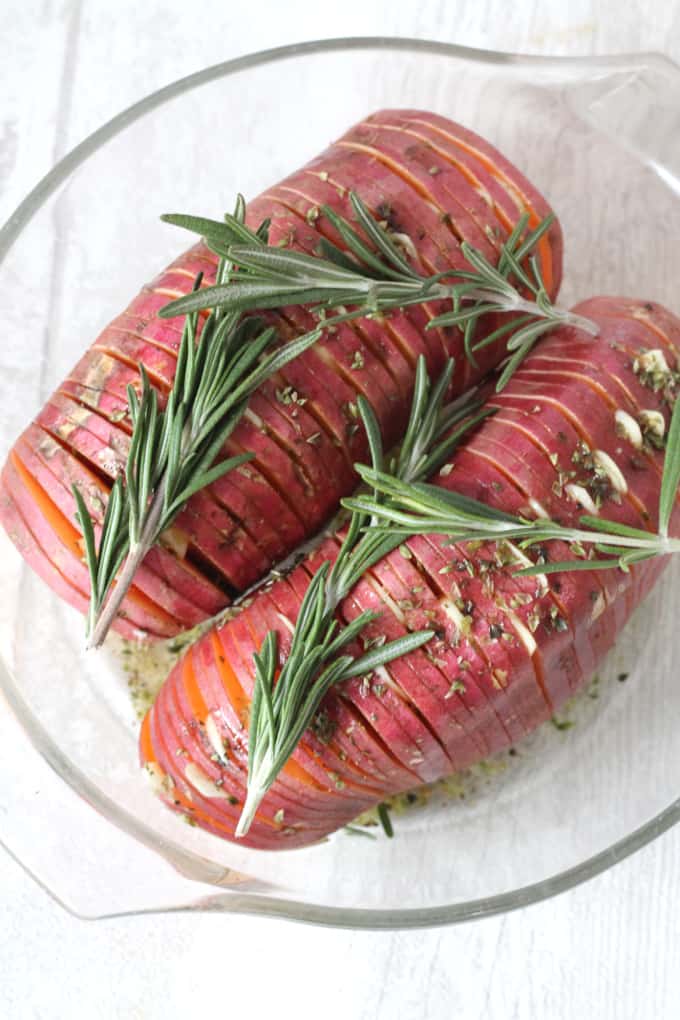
x=256 y=904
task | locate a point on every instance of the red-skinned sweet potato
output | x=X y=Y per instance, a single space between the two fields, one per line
x=557 y=631
x=246 y=521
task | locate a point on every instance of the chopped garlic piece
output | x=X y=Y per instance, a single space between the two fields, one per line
x=538 y=508
x=159 y=780
x=525 y=561
x=500 y=679
x=405 y=242
x=175 y=539
x=653 y=361
x=203 y=783
x=385 y=678
x=628 y=428
x=599 y=607
x=653 y=421
x=523 y=633
x=213 y=735
x=578 y=494
x=518 y=555
x=253 y=418
x=288 y=624
x=453 y=613
x=611 y=469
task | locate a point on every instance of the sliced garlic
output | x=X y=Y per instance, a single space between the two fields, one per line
x=405 y=242
x=159 y=781
x=538 y=508
x=500 y=679
x=652 y=361
x=288 y=624
x=394 y=605
x=203 y=783
x=628 y=428
x=253 y=418
x=653 y=421
x=175 y=539
x=518 y=554
x=599 y=607
x=579 y=495
x=213 y=735
x=612 y=470
x=523 y=633
x=49 y=446
x=523 y=560
x=98 y=371
x=453 y=612
x=385 y=678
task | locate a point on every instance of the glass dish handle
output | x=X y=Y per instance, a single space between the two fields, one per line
x=639 y=107
x=76 y=855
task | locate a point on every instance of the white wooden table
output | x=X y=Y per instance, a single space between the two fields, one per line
x=610 y=949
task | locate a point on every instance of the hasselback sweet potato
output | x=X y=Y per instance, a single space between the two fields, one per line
x=507 y=651
x=433 y=184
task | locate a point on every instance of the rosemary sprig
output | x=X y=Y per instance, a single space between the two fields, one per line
x=172 y=451
x=403 y=508
x=377 y=278
x=281 y=712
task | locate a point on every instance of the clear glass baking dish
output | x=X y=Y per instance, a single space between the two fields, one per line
x=600 y=137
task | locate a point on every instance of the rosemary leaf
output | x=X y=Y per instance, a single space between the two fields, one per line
x=385 y=820
x=559 y=568
x=380 y=238
x=390 y=650
x=671 y=473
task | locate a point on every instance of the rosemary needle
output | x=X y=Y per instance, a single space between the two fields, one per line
x=281 y=711
x=385 y=820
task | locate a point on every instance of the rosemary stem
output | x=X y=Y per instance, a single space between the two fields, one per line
x=559 y=314
x=654 y=543
x=579 y=321
x=132 y=562
x=259 y=783
x=514 y=302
